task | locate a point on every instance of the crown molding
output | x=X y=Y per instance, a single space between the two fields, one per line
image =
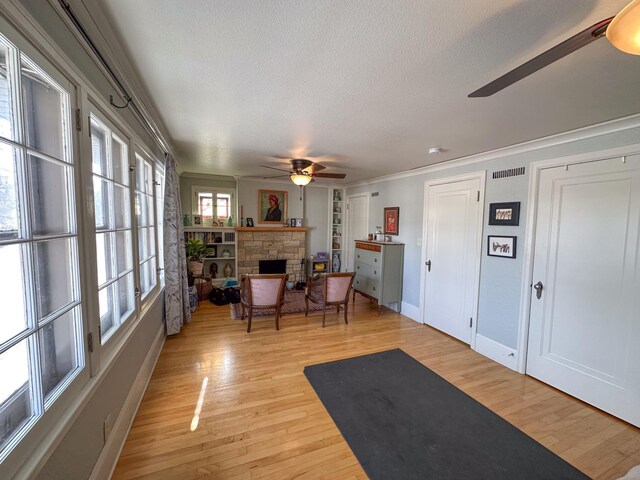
x=611 y=126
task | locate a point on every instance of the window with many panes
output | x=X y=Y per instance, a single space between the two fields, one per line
x=145 y=219
x=41 y=348
x=160 y=219
x=112 y=205
x=213 y=203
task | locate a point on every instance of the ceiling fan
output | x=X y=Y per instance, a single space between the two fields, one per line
x=304 y=171
x=623 y=31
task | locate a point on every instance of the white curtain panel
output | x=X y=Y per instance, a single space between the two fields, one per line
x=176 y=290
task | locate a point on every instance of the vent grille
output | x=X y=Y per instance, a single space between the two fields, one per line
x=509 y=172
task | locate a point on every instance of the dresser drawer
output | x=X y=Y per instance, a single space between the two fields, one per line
x=367 y=256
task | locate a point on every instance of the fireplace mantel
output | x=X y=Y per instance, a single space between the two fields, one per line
x=271 y=229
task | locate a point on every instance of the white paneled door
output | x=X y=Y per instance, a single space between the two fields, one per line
x=452 y=258
x=357 y=224
x=584 y=331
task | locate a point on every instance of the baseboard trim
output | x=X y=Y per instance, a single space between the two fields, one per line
x=497 y=352
x=411 y=311
x=108 y=458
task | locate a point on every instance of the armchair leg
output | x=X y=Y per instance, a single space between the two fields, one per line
x=249 y=321
x=346 y=306
x=278 y=318
x=324 y=314
x=306 y=305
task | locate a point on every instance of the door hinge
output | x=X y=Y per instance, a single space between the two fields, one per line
x=470 y=322
x=78 y=120
x=90 y=342
x=132 y=167
x=478 y=197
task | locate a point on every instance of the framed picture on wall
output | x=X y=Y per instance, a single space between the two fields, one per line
x=501 y=246
x=272 y=205
x=507 y=213
x=197 y=220
x=391 y=217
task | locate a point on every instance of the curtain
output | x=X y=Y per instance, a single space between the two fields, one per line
x=176 y=291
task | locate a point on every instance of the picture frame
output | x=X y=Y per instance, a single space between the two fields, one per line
x=293 y=222
x=299 y=222
x=505 y=213
x=197 y=220
x=249 y=222
x=272 y=206
x=501 y=246
x=391 y=218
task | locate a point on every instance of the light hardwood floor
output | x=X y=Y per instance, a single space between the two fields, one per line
x=260 y=418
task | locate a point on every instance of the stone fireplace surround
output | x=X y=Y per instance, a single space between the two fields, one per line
x=271 y=243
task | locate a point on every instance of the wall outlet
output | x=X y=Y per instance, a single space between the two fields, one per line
x=106 y=427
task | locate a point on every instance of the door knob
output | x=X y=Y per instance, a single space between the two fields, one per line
x=538 y=288
x=428 y=264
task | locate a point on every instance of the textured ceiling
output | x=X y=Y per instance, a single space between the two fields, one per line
x=371 y=83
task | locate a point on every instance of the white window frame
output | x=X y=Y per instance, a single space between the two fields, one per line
x=196 y=190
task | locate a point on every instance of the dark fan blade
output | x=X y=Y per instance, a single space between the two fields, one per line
x=276 y=176
x=579 y=40
x=314 y=167
x=330 y=175
x=274 y=168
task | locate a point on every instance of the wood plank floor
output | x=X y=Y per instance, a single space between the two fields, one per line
x=225 y=404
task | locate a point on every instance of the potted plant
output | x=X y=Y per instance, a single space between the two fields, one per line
x=196 y=251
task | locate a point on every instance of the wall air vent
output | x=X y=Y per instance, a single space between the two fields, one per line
x=509 y=172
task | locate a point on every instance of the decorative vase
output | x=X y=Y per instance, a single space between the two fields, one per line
x=226 y=253
x=227 y=270
x=336 y=263
x=230 y=222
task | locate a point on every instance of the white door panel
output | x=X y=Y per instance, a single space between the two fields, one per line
x=357 y=224
x=584 y=335
x=453 y=218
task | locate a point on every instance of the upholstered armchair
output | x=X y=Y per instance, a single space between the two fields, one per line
x=262 y=291
x=329 y=289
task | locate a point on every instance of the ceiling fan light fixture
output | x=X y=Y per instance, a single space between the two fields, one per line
x=624 y=30
x=300 y=179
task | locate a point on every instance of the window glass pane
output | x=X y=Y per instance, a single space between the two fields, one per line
x=98 y=149
x=151 y=239
x=44 y=112
x=101 y=203
x=6 y=109
x=58 y=346
x=122 y=206
x=50 y=196
x=125 y=296
x=160 y=219
x=143 y=243
x=9 y=219
x=206 y=206
x=14 y=391
x=119 y=161
x=151 y=267
x=141 y=211
x=14 y=315
x=147 y=276
x=104 y=255
x=123 y=251
x=107 y=322
x=223 y=205
x=54 y=274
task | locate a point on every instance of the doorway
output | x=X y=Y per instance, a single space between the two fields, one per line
x=357 y=224
x=451 y=255
x=584 y=328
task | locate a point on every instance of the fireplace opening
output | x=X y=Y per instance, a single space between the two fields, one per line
x=272 y=266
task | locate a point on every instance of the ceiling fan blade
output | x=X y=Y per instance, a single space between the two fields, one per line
x=579 y=40
x=330 y=175
x=314 y=167
x=274 y=168
x=275 y=176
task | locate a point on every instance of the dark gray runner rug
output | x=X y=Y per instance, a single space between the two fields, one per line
x=402 y=421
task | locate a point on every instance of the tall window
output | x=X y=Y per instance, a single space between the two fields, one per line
x=110 y=163
x=160 y=218
x=145 y=219
x=41 y=347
